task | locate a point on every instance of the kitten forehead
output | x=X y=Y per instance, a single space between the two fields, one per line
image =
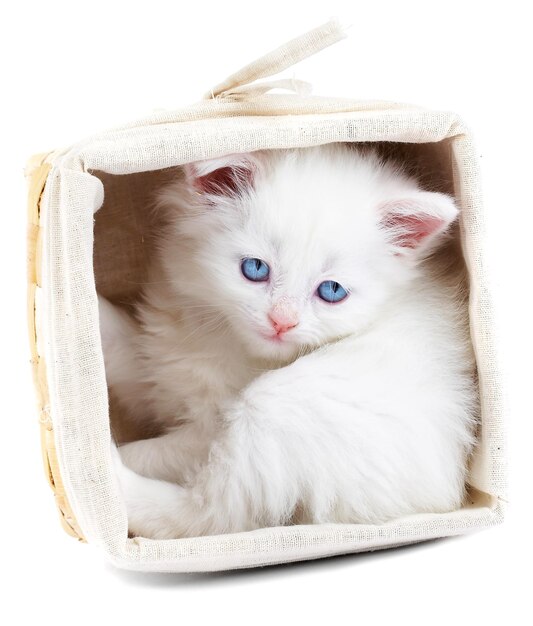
x=325 y=198
x=330 y=179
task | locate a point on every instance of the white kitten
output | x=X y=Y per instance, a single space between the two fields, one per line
x=307 y=363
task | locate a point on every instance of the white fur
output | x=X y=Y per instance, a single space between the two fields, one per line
x=363 y=412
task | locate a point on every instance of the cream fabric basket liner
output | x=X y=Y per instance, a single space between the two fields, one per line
x=236 y=116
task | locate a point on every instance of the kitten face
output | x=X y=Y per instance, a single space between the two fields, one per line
x=299 y=248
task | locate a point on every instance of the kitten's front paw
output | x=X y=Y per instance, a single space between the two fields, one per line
x=115 y=454
x=156 y=509
x=116 y=460
x=125 y=476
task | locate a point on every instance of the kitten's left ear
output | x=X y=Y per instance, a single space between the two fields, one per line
x=226 y=176
x=415 y=224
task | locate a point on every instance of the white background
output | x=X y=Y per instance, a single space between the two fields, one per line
x=73 y=68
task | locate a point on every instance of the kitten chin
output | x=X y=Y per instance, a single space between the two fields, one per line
x=277 y=351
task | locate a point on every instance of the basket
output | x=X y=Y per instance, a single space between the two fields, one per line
x=86 y=229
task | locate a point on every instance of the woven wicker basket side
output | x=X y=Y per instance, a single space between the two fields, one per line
x=36 y=172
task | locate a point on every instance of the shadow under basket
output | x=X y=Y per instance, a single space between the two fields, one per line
x=90 y=229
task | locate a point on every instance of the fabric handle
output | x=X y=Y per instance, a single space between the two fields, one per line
x=238 y=86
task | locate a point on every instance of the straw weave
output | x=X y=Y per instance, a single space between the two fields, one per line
x=37 y=172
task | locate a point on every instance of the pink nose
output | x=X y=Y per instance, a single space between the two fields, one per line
x=283 y=317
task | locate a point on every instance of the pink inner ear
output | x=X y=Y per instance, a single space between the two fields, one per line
x=409 y=231
x=226 y=181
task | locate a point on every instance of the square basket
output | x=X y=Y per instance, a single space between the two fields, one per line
x=72 y=250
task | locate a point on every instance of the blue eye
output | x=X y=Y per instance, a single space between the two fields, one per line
x=330 y=291
x=255 y=269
